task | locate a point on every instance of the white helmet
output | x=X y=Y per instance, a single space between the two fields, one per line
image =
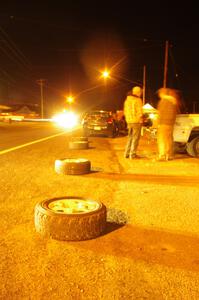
x=137 y=91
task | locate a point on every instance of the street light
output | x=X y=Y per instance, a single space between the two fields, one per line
x=70 y=99
x=106 y=74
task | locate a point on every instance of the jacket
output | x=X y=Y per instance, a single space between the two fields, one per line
x=167 y=110
x=133 y=109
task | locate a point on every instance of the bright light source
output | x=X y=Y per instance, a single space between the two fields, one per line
x=151 y=116
x=70 y=99
x=66 y=119
x=105 y=74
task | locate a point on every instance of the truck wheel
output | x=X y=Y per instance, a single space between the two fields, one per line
x=193 y=147
x=179 y=148
x=72 y=166
x=78 y=145
x=70 y=218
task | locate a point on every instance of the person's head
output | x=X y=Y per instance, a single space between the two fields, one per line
x=169 y=94
x=137 y=91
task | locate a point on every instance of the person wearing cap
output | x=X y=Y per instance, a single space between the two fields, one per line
x=168 y=107
x=133 y=116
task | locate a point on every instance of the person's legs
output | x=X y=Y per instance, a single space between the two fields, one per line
x=135 y=138
x=129 y=142
x=161 y=141
x=169 y=142
x=165 y=142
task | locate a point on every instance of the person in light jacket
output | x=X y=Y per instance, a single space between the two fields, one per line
x=134 y=117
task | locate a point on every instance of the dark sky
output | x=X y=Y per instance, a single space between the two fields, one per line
x=68 y=44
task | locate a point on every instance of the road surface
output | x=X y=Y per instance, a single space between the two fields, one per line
x=150 y=247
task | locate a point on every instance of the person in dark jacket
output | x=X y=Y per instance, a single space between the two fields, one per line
x=133 y=116
x=168 y=107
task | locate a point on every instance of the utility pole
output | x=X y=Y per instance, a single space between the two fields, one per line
x=41 y=83
x=144 y=85
x=166 y=64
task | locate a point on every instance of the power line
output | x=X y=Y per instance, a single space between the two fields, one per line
x=12 y=46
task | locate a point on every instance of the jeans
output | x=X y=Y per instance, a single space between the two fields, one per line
x=134 y=132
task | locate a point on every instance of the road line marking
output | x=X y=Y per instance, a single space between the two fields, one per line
x=31 y=143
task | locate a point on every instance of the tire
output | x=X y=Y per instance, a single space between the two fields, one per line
x=79 y=138
x=86 y=132
x=60 y=218
x=193 y=147
x=78 y=145
x=72 y=166
x=179 y=148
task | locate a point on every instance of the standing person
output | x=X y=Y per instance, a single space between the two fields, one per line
x=133 y=116
x=168 y=107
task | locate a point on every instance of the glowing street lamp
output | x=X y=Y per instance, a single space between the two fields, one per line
x=105 y=74
x=70 y=99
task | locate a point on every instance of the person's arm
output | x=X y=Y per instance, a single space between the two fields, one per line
x=140 y=110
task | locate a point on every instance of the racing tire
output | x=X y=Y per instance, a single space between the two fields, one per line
x=62 y=219
x=193 y=147
x=78 y=145
x=86 y=132
x=79 y=138
x=72 y=166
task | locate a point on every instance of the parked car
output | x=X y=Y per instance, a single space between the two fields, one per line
x=100 y=122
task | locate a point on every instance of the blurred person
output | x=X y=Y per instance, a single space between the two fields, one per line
x=133 y=116
x=168 y=107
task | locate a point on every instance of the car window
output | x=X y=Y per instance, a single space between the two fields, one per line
x=99 y=114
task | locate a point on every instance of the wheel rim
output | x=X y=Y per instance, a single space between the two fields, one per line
x=73 y=206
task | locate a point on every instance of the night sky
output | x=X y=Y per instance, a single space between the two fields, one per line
x=68 y=44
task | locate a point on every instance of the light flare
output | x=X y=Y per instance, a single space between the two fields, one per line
x=66 y=119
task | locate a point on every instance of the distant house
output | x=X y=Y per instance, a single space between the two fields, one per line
x=4 y=107
x=25 y=110
x=18 y=112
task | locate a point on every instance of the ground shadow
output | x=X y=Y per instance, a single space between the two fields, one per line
x=111 y=227
x=150 y=178
x=152 y=246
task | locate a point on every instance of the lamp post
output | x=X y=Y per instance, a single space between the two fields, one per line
x=144 y=85
x=166 y=64
x=41 y=83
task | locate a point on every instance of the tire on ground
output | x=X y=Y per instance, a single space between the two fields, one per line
x=86 y=132
x=72 y=166
x=78 y=145
x=193 y=147
x=79 y=138
x=59 y=225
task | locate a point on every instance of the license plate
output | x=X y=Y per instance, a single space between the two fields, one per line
x=97 y=128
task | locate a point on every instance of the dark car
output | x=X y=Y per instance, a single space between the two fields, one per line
x=100 y=122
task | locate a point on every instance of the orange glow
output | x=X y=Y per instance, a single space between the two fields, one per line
x=105 y=74
x=70 y=99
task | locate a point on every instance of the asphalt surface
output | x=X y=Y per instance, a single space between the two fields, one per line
x=150 y=247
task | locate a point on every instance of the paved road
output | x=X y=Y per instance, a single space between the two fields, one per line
x=154 y=256
x=19 y=133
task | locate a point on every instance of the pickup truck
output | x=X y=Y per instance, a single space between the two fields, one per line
x=186 y=134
